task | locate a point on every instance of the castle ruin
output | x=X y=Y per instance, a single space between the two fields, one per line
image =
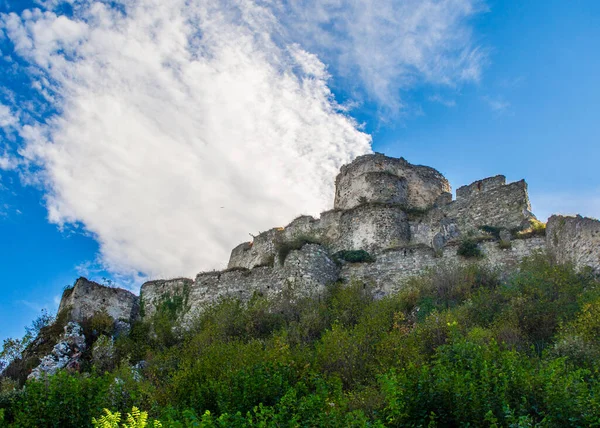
x=402 y=215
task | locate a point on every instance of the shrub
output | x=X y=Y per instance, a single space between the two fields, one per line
x=354 y=256
x=468 y=248
x=536 y=228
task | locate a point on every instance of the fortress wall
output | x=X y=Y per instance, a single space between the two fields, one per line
x=575 y=240
x=355 y=180
x=372 y=227
x=504 y=206
x=393 y=268
x=153 y=293
x=304 y=272
x=259 y=252
x=480 y=186
x=88 y=297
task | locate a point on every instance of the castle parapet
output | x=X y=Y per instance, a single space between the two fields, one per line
x=480 y=186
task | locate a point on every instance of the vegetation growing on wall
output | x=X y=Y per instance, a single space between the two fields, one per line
x=469 y=248
x=457 y=346
x=536 y=228
x=354 y=256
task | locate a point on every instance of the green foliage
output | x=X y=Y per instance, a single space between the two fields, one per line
x=536 y=228
x=354 y=256
x=458 y=346
x=135 y=419
x=468 y=248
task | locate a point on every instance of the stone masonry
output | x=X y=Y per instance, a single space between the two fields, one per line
x=402 y=214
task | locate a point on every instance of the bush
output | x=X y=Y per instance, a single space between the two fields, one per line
x=354 y=256
x=457 y=346
x=468 y=248
x=536 y=228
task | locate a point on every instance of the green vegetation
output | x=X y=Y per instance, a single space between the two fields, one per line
x=459 y=346
x=536 y=228
x=354 y=256
x=468 y=248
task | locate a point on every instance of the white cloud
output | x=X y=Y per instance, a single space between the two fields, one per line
x=169 y=114
x=7 y=119
x=184 y=126
x=392 y=45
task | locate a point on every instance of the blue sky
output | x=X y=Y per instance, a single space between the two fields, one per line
x=123 y=133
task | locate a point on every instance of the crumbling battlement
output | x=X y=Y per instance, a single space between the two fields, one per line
x=480 y=186
x=380 y=179
x=379 y=214
x=303 y=272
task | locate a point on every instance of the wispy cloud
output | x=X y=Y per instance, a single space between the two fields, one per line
x=183 y=126
x=392 y=45
x=497 y=104
x=441 y=100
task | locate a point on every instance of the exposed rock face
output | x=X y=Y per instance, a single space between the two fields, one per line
x=575 y=240
x=65 y=354
x=87 y=298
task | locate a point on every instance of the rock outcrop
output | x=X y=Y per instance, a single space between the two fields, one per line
x=87 y=298
x=66 y=354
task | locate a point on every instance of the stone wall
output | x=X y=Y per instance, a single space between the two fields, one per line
x=393 y=268
x=402 y=214
x=381 y=179
x=575 y=240
x=372 y=227
x=480 y=186
x=304 y=271
x=153 y=293
x=87 y=298
x=503 y=206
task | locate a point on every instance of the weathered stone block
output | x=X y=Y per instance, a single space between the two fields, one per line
x=372 y=227
x=378 y=178
x=574 y=240
x=480 y=186
x=87 y=298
